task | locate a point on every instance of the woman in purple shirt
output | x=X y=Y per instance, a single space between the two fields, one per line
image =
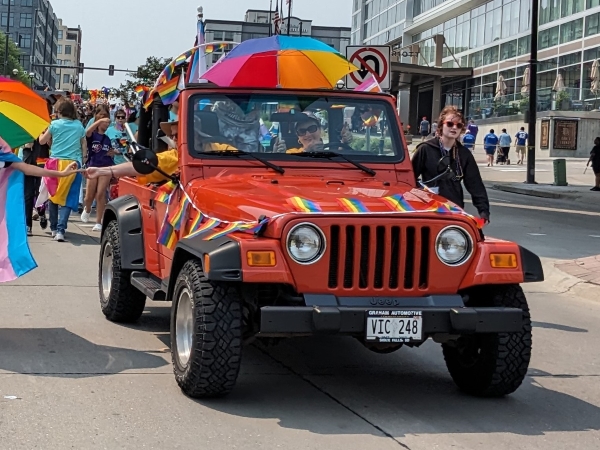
x=100 y=154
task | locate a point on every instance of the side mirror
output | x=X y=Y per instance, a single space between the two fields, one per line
x=145 y=161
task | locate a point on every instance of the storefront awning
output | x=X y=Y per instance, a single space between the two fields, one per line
x=404 y=75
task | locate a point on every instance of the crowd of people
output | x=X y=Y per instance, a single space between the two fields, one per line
x=79 y=136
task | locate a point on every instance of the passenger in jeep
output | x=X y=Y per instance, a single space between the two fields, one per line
x=168 y=160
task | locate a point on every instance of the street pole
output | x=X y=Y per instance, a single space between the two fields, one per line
x=270 y=17
x=289 y=16
x=7 y=37
x=532 y=93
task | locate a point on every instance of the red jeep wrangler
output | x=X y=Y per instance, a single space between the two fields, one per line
x=342 y=241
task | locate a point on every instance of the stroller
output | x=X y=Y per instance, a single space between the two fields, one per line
x=501 y=158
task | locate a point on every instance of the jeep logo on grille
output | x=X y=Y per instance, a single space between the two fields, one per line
x=383 y=301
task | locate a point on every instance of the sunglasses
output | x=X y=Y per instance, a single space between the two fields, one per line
x=450 y=124
x=310 y=129
x=121 y=117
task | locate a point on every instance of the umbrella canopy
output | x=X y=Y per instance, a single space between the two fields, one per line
x=23 y=113
x=500 y=87
x=559 y=84
x=595 y=78
x=525 y=82
x=281 y=62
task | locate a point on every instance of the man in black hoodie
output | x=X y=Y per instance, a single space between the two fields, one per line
x=426 y=164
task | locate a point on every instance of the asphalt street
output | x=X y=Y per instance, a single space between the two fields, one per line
x=71 y=379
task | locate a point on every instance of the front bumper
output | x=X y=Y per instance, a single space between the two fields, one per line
x=444 y=315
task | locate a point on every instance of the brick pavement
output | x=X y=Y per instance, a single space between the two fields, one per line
x=586 y=269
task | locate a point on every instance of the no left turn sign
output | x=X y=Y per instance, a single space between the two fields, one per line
x=374 y=60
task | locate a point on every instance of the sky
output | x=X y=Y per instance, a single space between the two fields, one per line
x=125 y=32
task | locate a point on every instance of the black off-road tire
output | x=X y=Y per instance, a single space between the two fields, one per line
x=492 y=364
x=216 y=343
x=125 y=303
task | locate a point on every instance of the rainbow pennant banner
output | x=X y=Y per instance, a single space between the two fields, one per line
x=207 y=225
x=304 y=205
x=176 y=218
x=352 y=205
x=163 y=194
x=168 y=91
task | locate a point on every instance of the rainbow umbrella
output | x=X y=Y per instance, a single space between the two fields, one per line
x=281 y=62
x=23 y=113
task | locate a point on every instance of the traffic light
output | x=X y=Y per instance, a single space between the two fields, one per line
x=81 y=67
x=111 y=70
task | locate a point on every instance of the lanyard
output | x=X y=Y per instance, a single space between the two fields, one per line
x=458 y=169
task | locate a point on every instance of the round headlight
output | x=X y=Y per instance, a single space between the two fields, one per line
x=305 y=243
x=453 y=246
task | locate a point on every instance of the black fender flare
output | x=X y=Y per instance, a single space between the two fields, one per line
x=533 y=271
x=224 y=255
x=127 y=212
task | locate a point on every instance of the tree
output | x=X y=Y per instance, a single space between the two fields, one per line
x=14 y=56
x=146 y=75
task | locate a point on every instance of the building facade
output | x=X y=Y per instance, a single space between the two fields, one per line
x=33 y=26
x=493 y=37
x=259 y=23
x=68 y=54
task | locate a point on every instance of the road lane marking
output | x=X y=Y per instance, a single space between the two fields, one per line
x=594 y=236
x=536 y=234
x=543 y=208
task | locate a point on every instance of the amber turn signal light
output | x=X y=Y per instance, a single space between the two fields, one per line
x=206 y=263
x=261 y=259
x=503 y=260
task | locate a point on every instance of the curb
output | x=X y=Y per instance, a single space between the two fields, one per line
x=533 y=192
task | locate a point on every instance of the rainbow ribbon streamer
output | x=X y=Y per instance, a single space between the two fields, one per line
x=176 y=218
x=352 y=205
x=209 y=224
x=230 y=228
x=398 y=203
x=196 y=223
x=304 y=205
x=164 y=192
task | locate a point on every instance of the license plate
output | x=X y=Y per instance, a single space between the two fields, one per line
x=394 y=326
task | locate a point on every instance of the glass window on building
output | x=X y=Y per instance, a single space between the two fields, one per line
x=548 y=38
x=508 y=50
x=5 y=2
x=66 y=78
x=592 y=3
x=549 y=11
x=475 y=59
x=592 y=24
x=68 y=49
x=572 y=76
x=546 y=79
x=525 y=16
x=59 y=49
x=25 y=40
x=548 y=64
x=26 y=20
x=490 y=55
x=524 y=45
x=571 y=58
x=571 y=31
x=60 y=34
x=570 y=7
x=4 y=19
x=591 y=54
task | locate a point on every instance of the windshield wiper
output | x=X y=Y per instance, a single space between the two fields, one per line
x=236 y=152
x=330 y=155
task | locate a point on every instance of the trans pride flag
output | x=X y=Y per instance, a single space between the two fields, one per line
x=15 y=257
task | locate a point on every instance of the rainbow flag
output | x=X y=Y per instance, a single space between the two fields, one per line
x=175 y=218
x=370 y=84
x=164 y=192
x=61 y=191
x=230 y=228
x=303 y=205
x=168 y=91
x=141 y=90
x=15 y=256
x=208 y=225
x=398 y=203
x=352 y=205
x=167 y=236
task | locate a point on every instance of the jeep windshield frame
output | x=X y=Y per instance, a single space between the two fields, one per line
x=214 y=127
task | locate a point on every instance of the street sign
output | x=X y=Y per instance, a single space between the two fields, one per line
x=375 y=60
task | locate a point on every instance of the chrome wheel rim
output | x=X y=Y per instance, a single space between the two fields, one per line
x=107 y=269
x=184 y=326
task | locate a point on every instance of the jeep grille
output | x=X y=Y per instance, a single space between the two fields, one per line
x=379 y=257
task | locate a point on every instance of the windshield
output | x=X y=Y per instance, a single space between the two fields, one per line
x=281 y=126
